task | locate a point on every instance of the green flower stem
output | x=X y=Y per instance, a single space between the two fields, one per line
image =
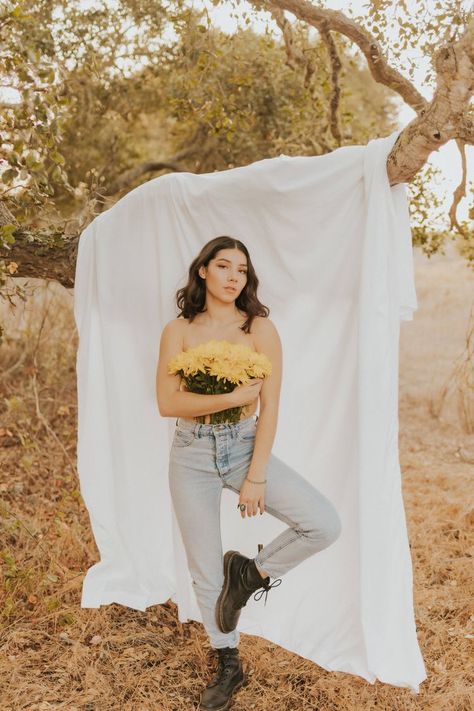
x=206 y=384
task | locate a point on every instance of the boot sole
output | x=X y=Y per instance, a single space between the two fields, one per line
x=225 y=589
x=238 y=686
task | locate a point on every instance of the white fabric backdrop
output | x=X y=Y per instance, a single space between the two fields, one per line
x=331 y=244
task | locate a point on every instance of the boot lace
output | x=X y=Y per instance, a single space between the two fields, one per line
x=265 y=590
x=225 y=670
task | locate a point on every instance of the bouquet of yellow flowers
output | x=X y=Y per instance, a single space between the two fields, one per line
x=218 y=367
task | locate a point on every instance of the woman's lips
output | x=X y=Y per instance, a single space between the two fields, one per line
x=230 y=288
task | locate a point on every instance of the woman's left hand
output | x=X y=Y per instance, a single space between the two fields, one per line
x=253 y=496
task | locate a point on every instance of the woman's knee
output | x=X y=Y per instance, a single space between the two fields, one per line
x=334 y=527
x=327 y=528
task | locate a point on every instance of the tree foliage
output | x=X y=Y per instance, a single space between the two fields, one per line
x=108 y=95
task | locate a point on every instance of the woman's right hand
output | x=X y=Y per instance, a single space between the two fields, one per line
x=245 y=394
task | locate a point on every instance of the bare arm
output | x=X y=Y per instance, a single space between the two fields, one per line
x=267 y=341
x=173 y=402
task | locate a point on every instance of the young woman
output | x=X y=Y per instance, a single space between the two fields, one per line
x=220 y=302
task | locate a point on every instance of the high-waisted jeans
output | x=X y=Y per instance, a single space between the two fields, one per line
x=204 y=459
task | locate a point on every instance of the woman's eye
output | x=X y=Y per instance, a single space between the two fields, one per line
x=224 y=266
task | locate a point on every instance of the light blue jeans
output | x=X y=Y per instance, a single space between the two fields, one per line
x=204 y=459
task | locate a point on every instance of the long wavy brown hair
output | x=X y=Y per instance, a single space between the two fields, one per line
x=191 y=299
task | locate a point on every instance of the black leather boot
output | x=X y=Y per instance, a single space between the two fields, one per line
x=241 y=579
x=230 y=677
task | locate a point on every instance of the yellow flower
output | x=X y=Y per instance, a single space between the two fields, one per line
x=222 y=359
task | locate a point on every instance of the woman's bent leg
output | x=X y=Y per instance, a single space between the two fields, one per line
x=196 y=497
x=313 y=521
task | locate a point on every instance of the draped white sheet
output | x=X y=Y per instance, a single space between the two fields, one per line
x=331 y=244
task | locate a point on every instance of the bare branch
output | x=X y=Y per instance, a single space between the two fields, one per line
x=40 y=256
x=336 y=66
x=295 y=57
x=460 y=191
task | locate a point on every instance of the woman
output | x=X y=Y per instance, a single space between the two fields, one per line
x=220 y=302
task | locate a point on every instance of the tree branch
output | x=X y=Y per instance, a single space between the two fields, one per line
x=444 y=118
x=336 y=66
x=460 y=191
x=39 y=256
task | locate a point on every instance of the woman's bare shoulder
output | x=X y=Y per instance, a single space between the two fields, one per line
x=263 y=324
x=175 y=325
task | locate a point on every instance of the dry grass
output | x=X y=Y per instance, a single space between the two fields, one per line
x=460 y=382
x=55 y=655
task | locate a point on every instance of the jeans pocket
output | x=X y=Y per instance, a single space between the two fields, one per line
x=182 y=438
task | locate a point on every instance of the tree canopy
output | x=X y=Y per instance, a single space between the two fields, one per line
x=110 y=95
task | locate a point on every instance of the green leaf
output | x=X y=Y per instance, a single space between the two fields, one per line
x=57 y=158
x=8 y=175
x=32 y=159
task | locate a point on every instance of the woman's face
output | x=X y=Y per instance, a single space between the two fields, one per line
x=228 y=268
